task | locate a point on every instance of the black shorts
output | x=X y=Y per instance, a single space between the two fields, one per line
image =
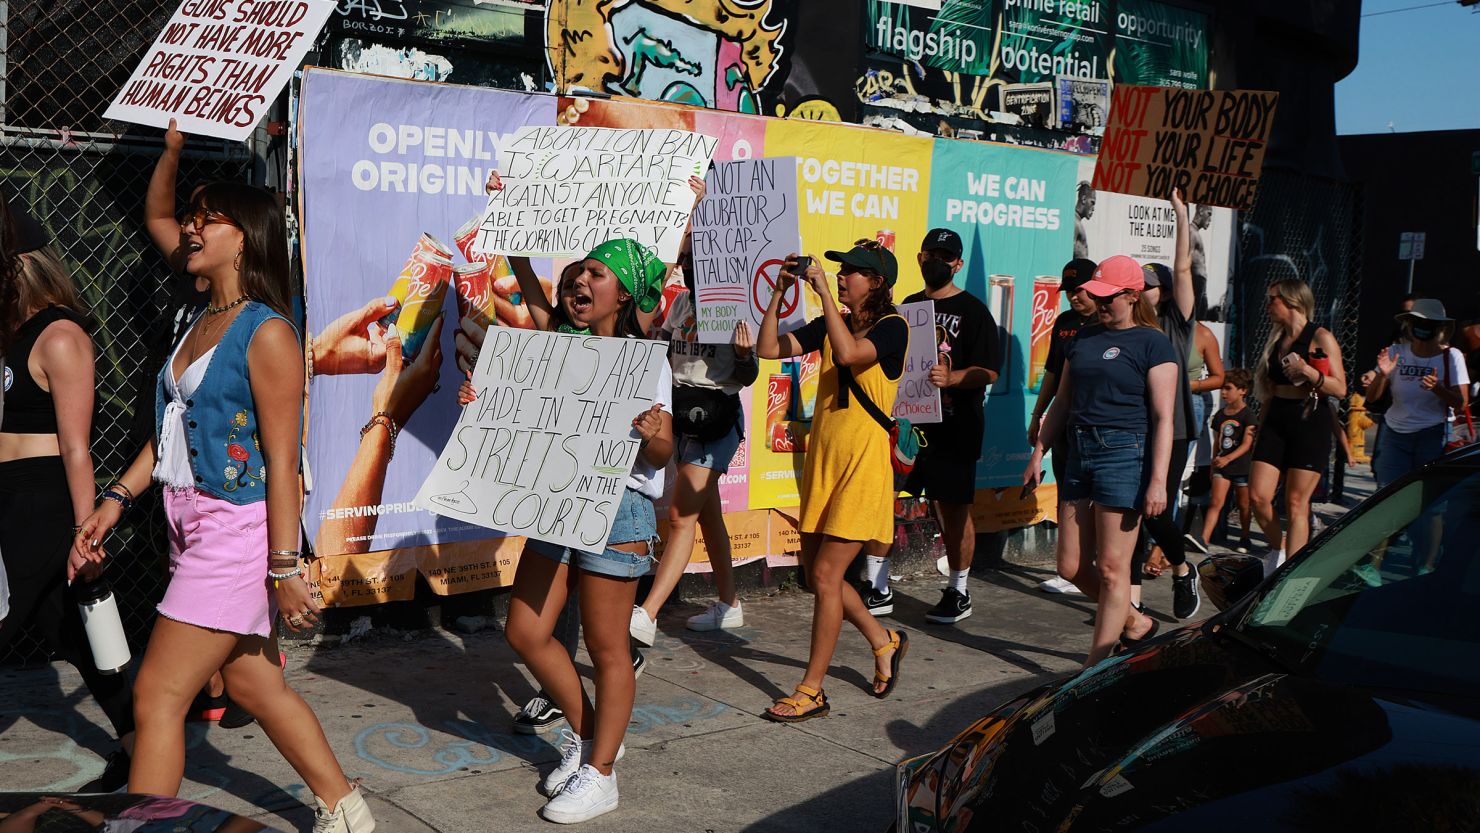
x=944 y=478
x=1288 y=441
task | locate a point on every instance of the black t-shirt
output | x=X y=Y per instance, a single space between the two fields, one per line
x=1228 y=434
x=968 y=327
x=1065 y=327
x=891 y=338
x=1179 y=331
x=1110 y=371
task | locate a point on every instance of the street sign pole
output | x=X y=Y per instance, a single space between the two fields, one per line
x=1410 y=276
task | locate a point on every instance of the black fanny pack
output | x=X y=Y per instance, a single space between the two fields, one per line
x=705 y=414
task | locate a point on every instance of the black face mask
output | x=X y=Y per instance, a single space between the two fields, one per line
x=937 y=273
x=1424 y=332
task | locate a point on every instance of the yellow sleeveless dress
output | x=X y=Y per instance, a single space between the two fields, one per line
x=847 y=478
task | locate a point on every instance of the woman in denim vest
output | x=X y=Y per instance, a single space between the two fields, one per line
x=228 y=423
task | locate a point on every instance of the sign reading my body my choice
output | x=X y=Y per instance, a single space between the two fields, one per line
x=218 y=64
x=546 y=448
x=569 y=189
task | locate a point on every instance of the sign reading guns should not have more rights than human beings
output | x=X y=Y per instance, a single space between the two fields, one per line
x=569 y=189
x=219 y=64
x=546 y=448
x=1208 y=143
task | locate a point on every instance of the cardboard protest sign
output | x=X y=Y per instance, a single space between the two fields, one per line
x=743 y=230
x=567 y=190
x=219 y=64
x=919 y=401
x=1208 y=143
x=546 y=448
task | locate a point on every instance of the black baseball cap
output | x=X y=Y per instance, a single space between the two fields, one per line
x=1158 y=275
x=945 y=240
x=868 y=254
x=1076 y=272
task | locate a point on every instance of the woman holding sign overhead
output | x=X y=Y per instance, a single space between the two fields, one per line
x=847 y=475
x=618 y=280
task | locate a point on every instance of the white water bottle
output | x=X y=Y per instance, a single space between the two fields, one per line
x=100 y=618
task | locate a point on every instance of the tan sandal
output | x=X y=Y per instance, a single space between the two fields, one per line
x=805 y=703
x=899 y=642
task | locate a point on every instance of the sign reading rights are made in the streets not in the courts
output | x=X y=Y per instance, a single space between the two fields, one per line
x=219 y=64
x=743 y=230
x=546 y=448
x=567 y=190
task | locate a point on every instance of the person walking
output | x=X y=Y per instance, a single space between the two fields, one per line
x=1233 y=440
x=847 y=476
x=1114 y=408
x=1429 y=382
x=228 y=419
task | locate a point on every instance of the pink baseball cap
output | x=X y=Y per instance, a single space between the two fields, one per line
x=1115 y=274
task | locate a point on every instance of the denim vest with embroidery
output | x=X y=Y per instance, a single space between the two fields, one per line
x=220 y=420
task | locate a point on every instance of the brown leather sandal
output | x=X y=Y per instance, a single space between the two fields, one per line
x=899 y=642
x=805 y=703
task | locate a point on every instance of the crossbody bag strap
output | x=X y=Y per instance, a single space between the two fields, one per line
x=863 y=398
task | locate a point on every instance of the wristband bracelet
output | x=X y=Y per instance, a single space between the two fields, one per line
x=119 y=499
x=294 y=554
x=383 y=418
x=275 y=576
x=118 y=484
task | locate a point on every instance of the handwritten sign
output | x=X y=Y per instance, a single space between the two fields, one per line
x=919 y=401
x=567 y=190
x=743 y=230
x=1209 y=143
x=219 y=64
x=546 y=448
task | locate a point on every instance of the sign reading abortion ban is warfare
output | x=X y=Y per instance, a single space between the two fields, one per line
x=1208 y=143
x=567 y=190
x=219 y=64
x=743 y=230
x=546 y=448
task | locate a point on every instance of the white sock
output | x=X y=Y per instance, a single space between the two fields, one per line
x=878 y=572
x=958 y=580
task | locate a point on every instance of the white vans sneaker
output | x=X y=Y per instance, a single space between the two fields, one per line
x=573 y=754
x=643 y=628
x=586 y=795
x=350 y=815
x=718 y=617
x=1059 y=585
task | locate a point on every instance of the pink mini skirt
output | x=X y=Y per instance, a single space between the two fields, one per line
x=218 y=564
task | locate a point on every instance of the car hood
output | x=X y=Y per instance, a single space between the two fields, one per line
x=1195 y=732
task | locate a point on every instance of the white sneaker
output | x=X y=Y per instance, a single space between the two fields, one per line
x=1272 y=561
x=350 y=815
x=573 y=754
x=1059 y=585
x=718 y=617
x=643 y=628
x=585 y=796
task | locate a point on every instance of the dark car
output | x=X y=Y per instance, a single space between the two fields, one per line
x=1342 y=694
x=121 y=813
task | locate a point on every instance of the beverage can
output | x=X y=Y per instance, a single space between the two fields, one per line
x=1045 y=312
x=473 y=284
x=466 y=235
x=419 y=291
x=1000 y=302
x=809 y=373
x=778 y=398
x=886 y=238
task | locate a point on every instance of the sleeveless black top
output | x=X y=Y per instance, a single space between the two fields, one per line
x=28 y=408
x=1300 y=347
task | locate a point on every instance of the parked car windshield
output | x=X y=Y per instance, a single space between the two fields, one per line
x=1390 y=600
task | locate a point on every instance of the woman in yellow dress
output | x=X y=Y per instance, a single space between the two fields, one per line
x=847 y=475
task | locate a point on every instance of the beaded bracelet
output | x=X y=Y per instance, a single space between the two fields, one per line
x=276 y=576
x=383 y=418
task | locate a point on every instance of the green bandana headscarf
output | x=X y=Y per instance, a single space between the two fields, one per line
x=637 y=267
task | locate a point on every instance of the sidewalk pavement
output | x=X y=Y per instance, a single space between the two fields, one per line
x=424 y=718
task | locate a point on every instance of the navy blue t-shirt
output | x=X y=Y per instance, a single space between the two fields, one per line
x=1109 y=370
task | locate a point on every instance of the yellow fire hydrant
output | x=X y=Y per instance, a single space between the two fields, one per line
x=1357 y=423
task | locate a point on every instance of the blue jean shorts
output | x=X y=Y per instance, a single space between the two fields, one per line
x=635 y=521
x=1235 y=480
x=1107 y=466
x=713 y=454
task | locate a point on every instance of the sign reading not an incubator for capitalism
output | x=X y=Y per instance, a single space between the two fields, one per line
x=219 y=64
x=743 y=230
x=546 y=448
x=567 y=190
x=1208 y=143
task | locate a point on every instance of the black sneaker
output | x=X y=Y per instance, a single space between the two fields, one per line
x=879 y=604
x=538 y=715
x=1185 y=598
x=639 y=663
x=234 y=717
x=953 y=607
x=1245 y=546
x=1194 y=542
x=114 y=777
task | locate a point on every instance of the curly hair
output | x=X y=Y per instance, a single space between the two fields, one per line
x=878 y=305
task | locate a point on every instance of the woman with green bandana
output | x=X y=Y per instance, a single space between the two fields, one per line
x=618 y=280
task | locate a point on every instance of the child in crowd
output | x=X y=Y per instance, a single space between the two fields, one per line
x=1233 y=436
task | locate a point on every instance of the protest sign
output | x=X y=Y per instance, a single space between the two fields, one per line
x=546 y=448
x=219 y=64
x=1208 y=143
x=743 y=230
x=919 y=401
x=567 y=190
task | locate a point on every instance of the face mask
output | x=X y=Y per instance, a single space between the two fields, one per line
x=1424 y=332
x=937 y=273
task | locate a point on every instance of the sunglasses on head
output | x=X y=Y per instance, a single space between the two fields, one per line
x=1107 y=300
x=200 y=217
x=868 y=243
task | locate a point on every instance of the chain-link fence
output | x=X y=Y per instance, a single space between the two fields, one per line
x=84 y=178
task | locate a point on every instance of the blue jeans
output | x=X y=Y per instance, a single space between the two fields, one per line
x=1107 y=466
x=1399 y=453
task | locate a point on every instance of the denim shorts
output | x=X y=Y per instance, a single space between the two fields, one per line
x=713 y=454
x=1107 y=466
x=635 y=521
x=1235 y=480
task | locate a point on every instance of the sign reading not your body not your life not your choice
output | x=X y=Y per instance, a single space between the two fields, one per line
x=1208 y=143
x=546 y=448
